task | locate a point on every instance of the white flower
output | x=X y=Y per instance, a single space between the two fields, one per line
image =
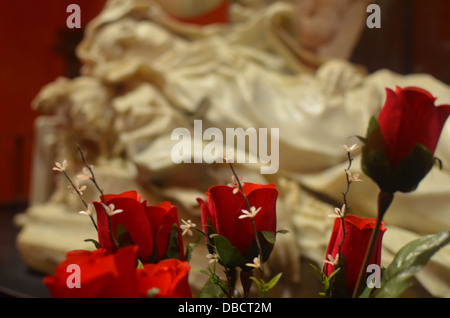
x=256 y=263
x=331 y=260
x=212 y=258
x=88 y=211
x=355 y=178
x=235 y=184
x=60 y=167
x=339 y=213
x=186 y=227
x=251 y=214
x=351 y=177
x=86 y=174
x=229 y=156
x=77 y=188
x=110 y=210
x=351 y=148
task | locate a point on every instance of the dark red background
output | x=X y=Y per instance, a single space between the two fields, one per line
x=35 y=49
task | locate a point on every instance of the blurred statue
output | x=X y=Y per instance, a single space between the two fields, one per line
x=150 y=67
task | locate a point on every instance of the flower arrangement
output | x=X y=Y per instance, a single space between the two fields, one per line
x=140 y=250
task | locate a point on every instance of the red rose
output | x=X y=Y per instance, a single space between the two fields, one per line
x=409 y=117
x=353 y=249
x=101 y=275
x=223 y=208
x=399 y=146
x=169 y=277
x=149 y=227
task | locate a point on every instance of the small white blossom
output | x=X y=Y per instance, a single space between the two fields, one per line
x=212 y=258
x=229 y=156
x=78 y=188
x=355 y=177
x=351 y=148
x=88 y=211
x=256 y=263
x=186 y=227
x=339 y=213
x=331 y=260
x=86 y=174
x=351 y=177
x=235 y=184
x=251 y=214
x=111 y=209
x=60 y=167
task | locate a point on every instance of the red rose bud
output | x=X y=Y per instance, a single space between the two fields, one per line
x=167 y=279
x=353 y=249
x=399 y=147
x=97 y=274
x=153 y=228
x=222 y=211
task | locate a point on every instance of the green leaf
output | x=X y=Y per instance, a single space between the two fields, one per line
x=368 y=292
x=227 y=253
x=263 y=287
x=329 y=283
x=271 y=284
x=151 y=293
x=96 y=243
x=318 y=272
x=408 y=261
x=214 y=289
x=190 y=248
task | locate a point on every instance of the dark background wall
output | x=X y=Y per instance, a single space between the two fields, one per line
x=36 y=47
x=414 y=38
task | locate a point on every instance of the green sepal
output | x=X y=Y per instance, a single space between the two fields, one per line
x=338 y=282
x=229 y=256
x=269 y=236
x=95 y=242
x=267 y=241
x=123 y=237
x=334 y=285
x=173 y=247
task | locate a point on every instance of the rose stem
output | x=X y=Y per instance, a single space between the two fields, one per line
x=258 y=244
x=384 y=201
